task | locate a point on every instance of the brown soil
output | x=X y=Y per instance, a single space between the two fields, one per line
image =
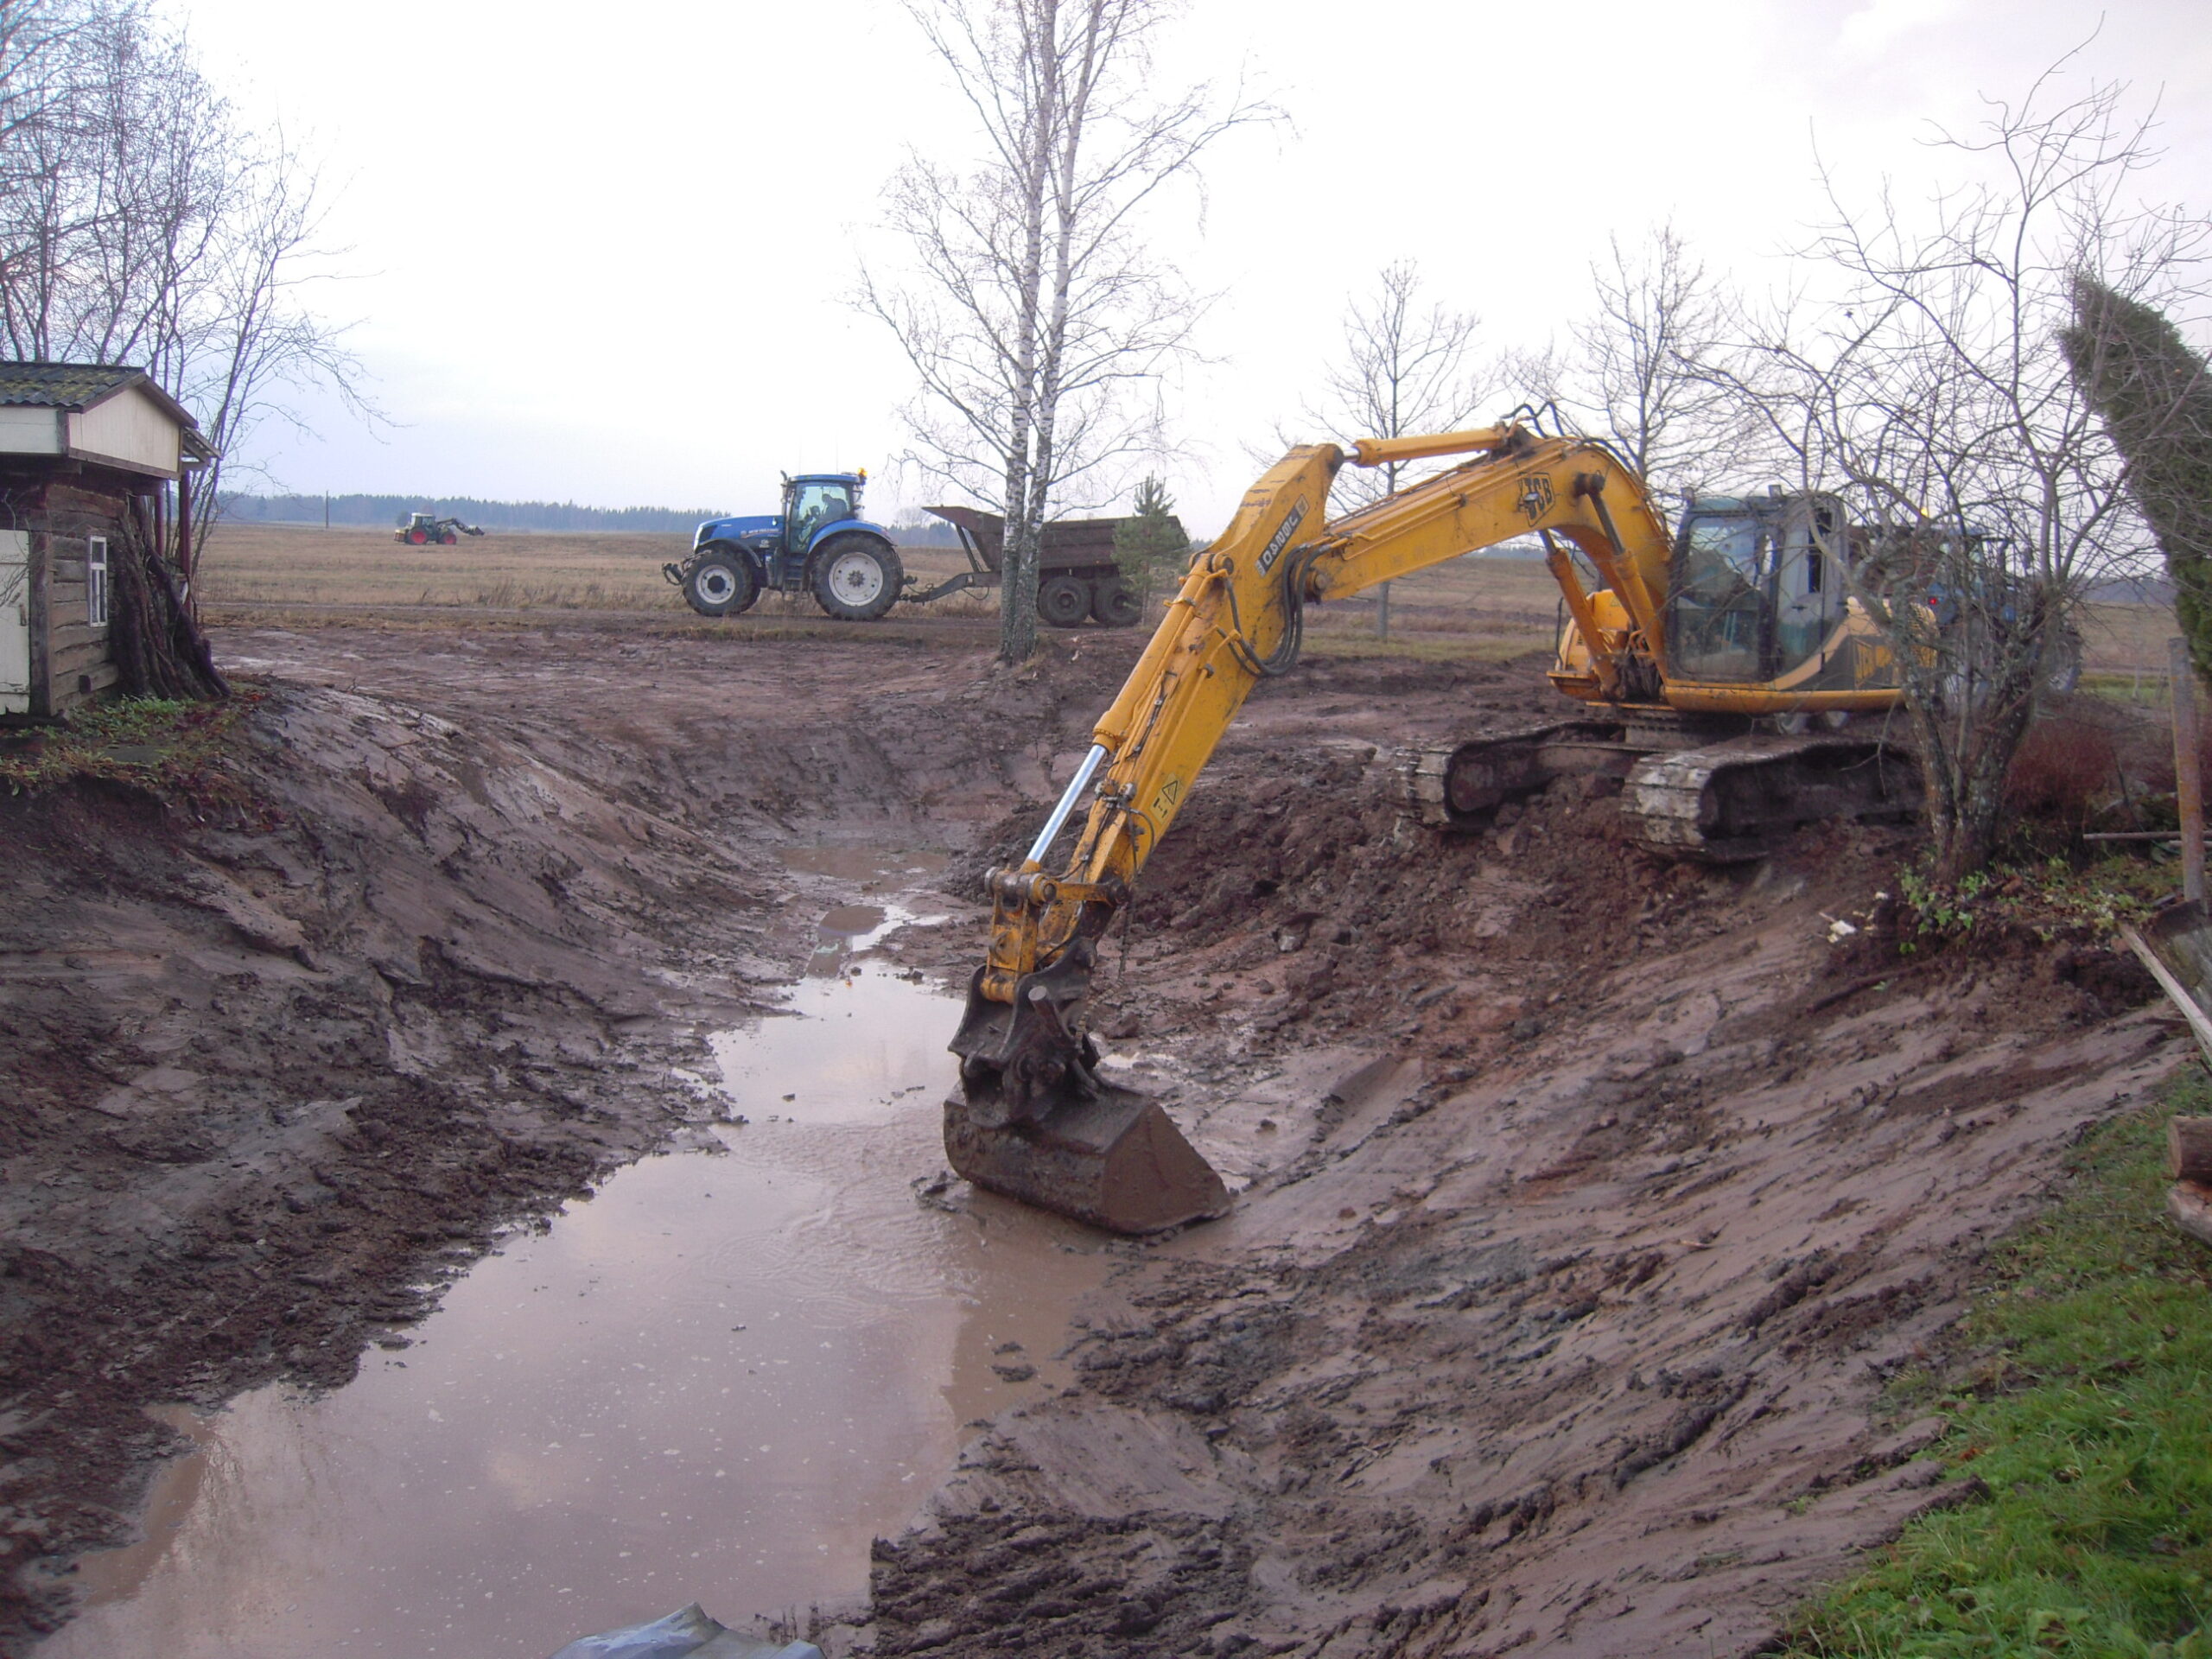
x=1588 y=1199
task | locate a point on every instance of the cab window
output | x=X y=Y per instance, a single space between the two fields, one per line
x=1718 y=610
x=814 y=504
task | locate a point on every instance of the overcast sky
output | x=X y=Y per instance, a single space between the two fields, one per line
x=600 y=253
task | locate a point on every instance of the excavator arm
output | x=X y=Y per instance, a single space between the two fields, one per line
x=1028 y=1067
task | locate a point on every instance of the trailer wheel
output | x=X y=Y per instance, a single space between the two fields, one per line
x=856 y=578
x=720 y=584
x=1115 y=604
x=1064 y=601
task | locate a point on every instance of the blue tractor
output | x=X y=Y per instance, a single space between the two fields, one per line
x=818 y=545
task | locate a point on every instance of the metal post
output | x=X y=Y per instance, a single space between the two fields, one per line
x=2189 y=786
x=1383 y=611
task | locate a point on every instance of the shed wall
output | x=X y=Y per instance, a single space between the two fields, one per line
x=130 y=430
x=72 y=656
x=30 y=431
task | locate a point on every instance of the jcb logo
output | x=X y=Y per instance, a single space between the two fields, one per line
x=1536 y=495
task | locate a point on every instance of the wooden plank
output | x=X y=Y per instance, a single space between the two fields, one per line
x=75 y=659
x=2189 y=1148
x=2181 y=999
x=70 y=634
x=2189 y=1206
x=2188 y=788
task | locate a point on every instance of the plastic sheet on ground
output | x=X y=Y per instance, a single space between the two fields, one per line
x=688 y=1635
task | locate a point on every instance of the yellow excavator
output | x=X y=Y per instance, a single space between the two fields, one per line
x=1728 y=677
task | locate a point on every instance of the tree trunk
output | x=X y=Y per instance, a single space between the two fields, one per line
x=1964 y=827
x=159 y=649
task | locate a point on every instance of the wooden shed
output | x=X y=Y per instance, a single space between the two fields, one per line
x=95 y=463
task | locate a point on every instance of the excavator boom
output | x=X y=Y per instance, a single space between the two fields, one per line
x=1033 y=1118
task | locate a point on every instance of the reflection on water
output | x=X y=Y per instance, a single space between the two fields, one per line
x=717 y=1380
x=871 y=869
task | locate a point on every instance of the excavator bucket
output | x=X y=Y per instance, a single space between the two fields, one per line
x=1116 y=1161
x=1032 y=1120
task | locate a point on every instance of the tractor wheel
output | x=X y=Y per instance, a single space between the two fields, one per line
x=448 y=540
x=720 y=584
x=1063 y=601
x=856 y=578
x=1115 y=604
x=417 y=538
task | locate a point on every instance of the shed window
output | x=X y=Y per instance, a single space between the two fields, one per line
x=96 y=581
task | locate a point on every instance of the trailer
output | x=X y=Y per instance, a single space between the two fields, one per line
x=1077 y=578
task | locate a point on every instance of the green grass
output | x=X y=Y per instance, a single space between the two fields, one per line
x=159 y=744
x=2042 y=896
x=2083 y=1404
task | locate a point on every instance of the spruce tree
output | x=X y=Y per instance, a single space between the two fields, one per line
x=2154 y=395
x=1150 y=546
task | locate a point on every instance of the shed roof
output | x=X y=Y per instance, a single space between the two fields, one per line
x=78 y=386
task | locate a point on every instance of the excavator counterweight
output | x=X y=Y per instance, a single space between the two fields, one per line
x=1722 y=666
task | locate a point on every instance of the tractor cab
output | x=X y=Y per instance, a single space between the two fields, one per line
x=812 y=502
x=1756 y=591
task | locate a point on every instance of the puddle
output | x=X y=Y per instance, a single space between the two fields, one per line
x=871 y=869
x=846 y=930
x=716 y=1380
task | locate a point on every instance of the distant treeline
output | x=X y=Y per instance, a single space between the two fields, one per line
x=386 y=511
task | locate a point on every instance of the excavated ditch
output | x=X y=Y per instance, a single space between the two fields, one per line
x=721 y=1376
x=1584 y=1201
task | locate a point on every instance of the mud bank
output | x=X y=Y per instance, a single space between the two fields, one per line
x=1587 y=1199
x=1591 y=1202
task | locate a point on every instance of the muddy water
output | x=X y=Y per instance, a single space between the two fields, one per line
x=717 y=1379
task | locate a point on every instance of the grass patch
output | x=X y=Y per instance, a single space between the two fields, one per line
x=2082 y=1413
x=2048 y=899
x=166 y=747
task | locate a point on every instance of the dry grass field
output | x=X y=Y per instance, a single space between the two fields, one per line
x=1482 y=607
x=258 y=566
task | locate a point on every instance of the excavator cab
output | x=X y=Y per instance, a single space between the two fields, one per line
x=1757 y=591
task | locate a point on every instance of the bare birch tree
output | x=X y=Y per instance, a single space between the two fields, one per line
x=1035 y=309
x=1933 y=390
x=1648 y=366
x=142 y=223
x=1408 y=366
x=1646 y=359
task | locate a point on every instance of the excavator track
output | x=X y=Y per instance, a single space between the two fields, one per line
x=1458 y=788
x=1729 y=802
x=1690 y=798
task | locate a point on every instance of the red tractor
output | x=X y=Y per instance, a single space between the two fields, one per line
x=424 y=529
